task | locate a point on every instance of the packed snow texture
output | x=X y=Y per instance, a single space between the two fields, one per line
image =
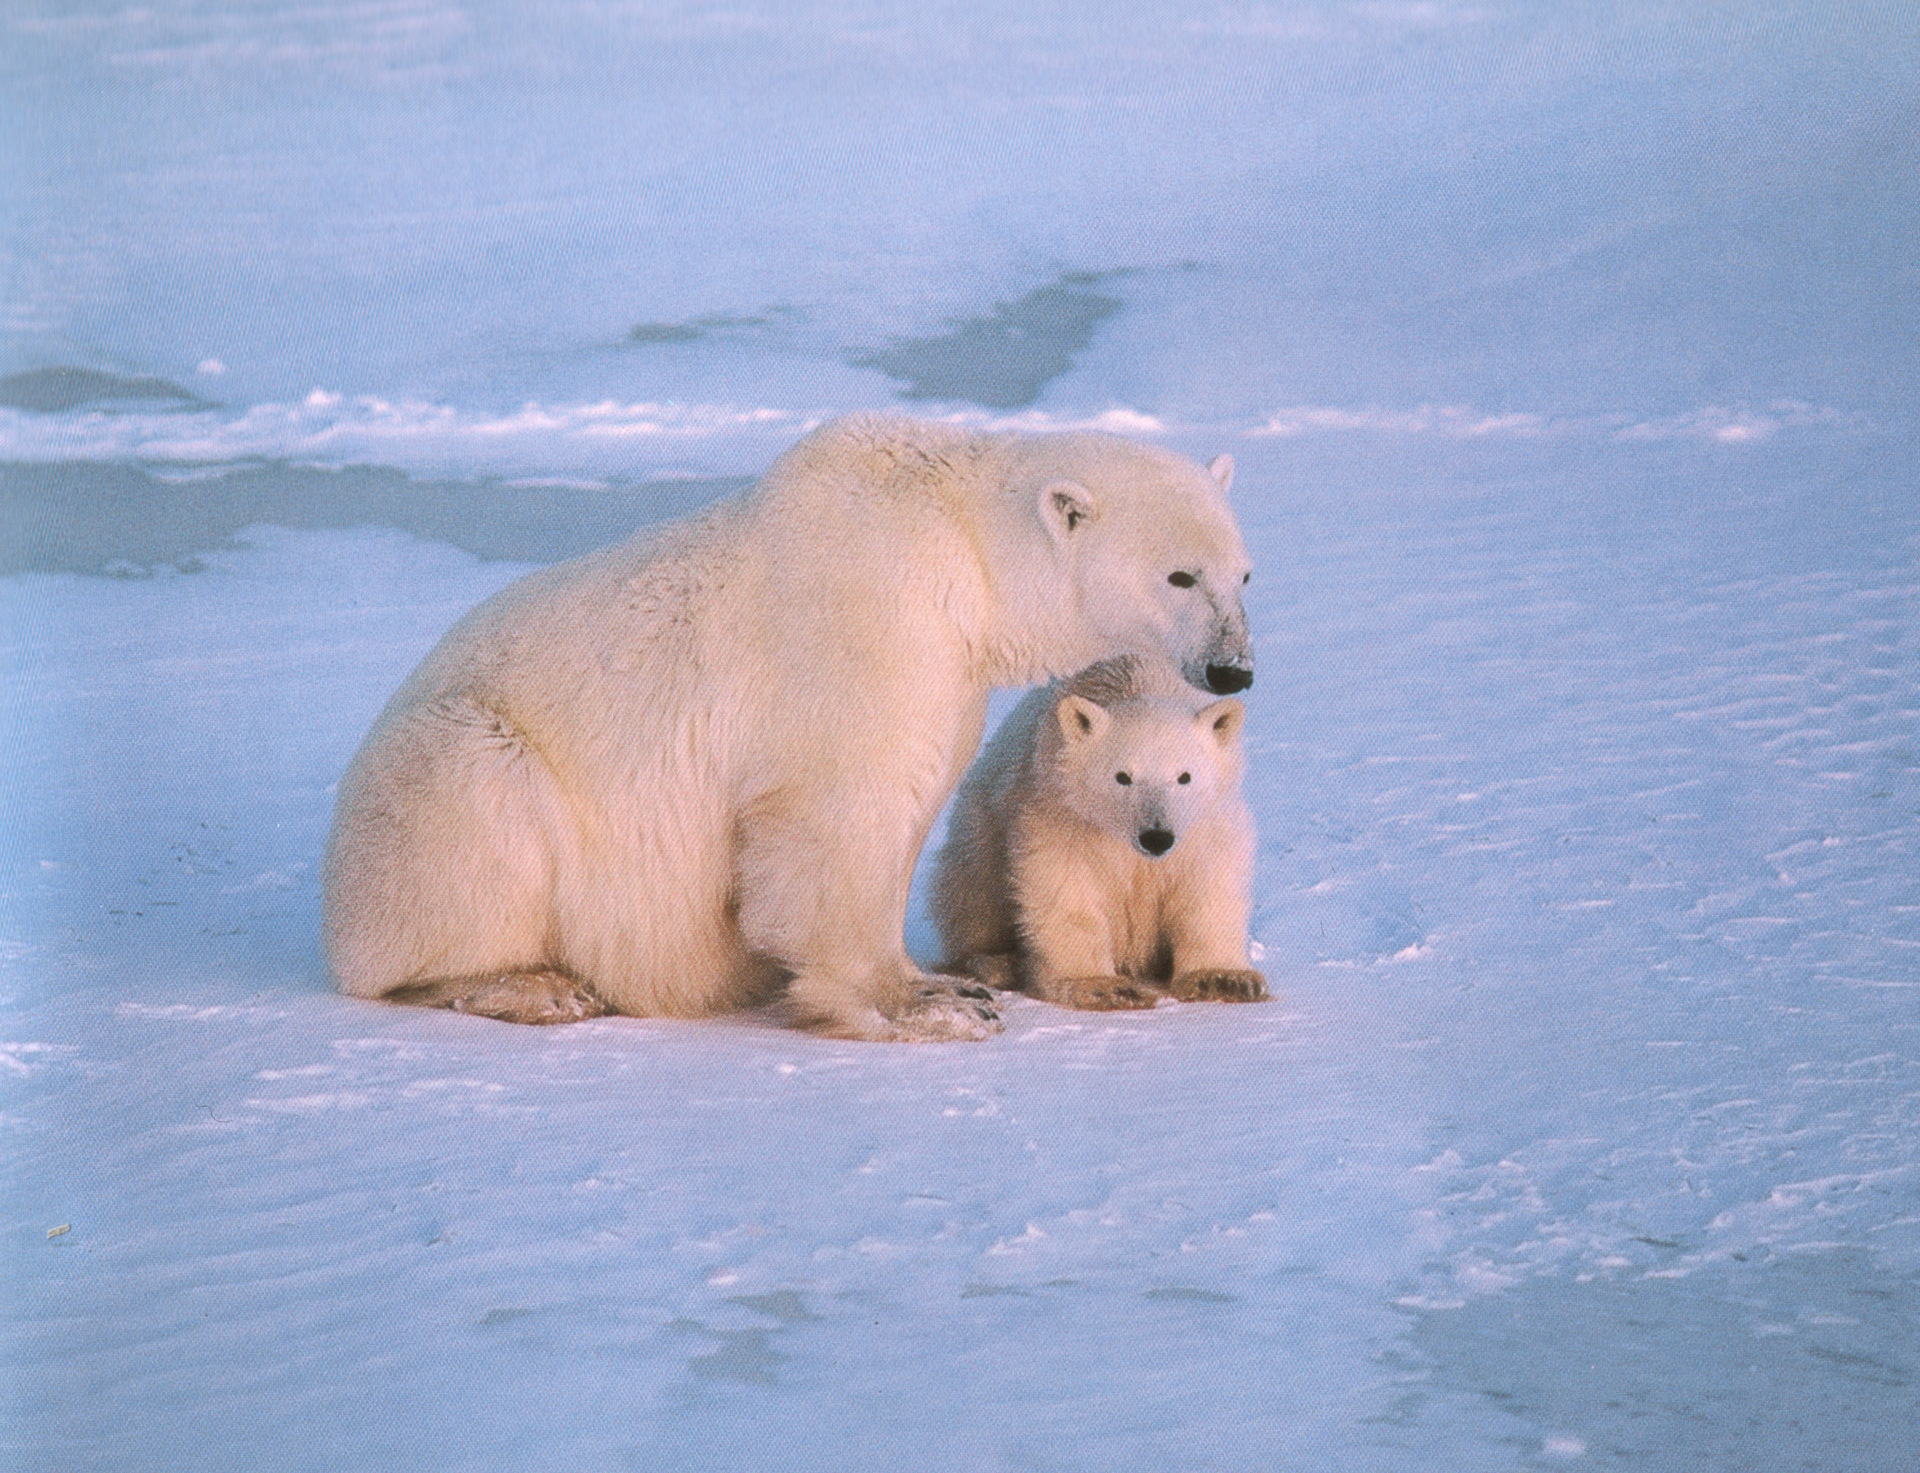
x=1567 y=362
x=1588 y=1112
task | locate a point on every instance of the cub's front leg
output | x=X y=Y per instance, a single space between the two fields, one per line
x=1069 y=953
x=1206 y=924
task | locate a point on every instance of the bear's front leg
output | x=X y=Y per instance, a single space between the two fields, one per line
x=1206 y=924
x=1070 y=958
x=830 y=907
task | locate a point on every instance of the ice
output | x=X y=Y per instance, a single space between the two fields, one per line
x=1343 y=206
x=1587 y=1116
x=1566 y=360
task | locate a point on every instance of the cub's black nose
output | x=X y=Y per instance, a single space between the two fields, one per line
x=1156 y=841
x=1224 y=680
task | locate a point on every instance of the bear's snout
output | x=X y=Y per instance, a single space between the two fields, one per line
x=1226 y=680
x=1156 y=841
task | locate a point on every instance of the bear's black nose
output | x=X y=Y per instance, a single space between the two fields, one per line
x=1224 y=680
x=1156 y=841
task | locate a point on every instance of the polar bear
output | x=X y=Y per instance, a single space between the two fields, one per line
x=692 y=772
x=1100 y=854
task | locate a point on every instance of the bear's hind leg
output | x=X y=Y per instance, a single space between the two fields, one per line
x=440 y=871
x=539 y=995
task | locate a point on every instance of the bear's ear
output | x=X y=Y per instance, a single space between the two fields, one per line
x=1224 y=719
x=1080 y=720
x=1064 y=507
x=1221 y=469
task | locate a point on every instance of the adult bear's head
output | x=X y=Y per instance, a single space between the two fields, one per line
x=1148 y=546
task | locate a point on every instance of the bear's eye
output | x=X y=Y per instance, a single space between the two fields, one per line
x=1123 y=778
x=1186 y=777
x=1245 y=578
x=1182 y=580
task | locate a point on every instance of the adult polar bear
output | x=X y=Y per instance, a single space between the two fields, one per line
x=665 y=777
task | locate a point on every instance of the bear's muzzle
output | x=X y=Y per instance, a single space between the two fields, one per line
x=1226 y=680
x=1156 y=841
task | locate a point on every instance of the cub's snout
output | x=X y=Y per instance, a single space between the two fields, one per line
x=1155 y=841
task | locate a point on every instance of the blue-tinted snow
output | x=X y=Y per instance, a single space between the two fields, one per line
x=410 y=209
x=1567 y=359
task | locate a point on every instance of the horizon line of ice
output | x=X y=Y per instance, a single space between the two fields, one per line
x=608 y=435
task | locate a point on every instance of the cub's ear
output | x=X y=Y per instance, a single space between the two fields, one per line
x=1080 y=720
x=1224 y=719
x=1221 y=469
x=1065 y=506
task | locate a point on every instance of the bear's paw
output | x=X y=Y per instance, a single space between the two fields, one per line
x=542 y=996
x=961 y=1012
x=1220 y=984
x=1102 y=994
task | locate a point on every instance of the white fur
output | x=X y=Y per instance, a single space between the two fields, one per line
x=1049 y=878
x=688 y=767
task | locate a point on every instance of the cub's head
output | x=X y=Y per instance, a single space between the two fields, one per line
x=1154 y=556
x=1144 y=770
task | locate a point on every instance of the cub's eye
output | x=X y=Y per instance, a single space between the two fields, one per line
x=1186 y=777
x=1245 y=578
x=1123 y=778
x=1182 y=580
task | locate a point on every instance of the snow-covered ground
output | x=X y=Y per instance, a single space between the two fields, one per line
x=1568 y=363
x=1589 y=1117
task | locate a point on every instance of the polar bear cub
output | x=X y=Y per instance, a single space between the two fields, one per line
x=1100 y=854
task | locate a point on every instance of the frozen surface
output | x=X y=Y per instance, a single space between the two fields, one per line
x=585 y=237
x=1568 y=362
x=1590 y=1116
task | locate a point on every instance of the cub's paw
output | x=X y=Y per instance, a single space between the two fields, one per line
x=1220 y=984
x=1101 y=994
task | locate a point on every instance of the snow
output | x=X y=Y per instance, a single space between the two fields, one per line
x=1586 y=878
x=1565 y=360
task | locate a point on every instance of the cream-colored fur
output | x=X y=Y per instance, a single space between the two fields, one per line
x=1100 y=854
x=668 y=777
